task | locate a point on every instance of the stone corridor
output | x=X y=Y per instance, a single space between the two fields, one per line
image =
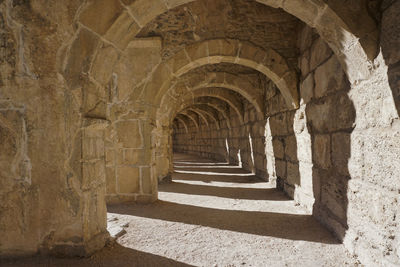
x=248 y=221
x=300 y=97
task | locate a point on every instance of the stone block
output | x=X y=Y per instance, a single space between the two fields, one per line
x=305 y=39
x=278 y=124
x=307 y=88
x=129 y=134
x=144 y=10
x=122 y=31
x=329 y=77
x=102 y=72
x=80 y=57
x=334 y=195
x=147 y=181
x=390 y=34
x=109 y=10
x=320 y=51
x=111 y=180
x=293 y=173
x=280 y=169
x=341 y=150
x=322 y=151
x=291 y=148
x=128 y=179
x=93 y=174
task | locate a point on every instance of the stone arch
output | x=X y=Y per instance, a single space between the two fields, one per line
x=190 y=117
x=220 y=93
x=183 y=123
x=201 y=115
x=217 y=106
x=230 y=81
x=120 y=22
x=268 y=62
x=213 y=114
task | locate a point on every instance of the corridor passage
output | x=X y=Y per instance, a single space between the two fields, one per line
x=212 y=214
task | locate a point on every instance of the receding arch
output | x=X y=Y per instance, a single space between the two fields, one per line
x=213 y=114
x=190 y=117
x=354 y=45
x=217 y=104
x=183 y=123
x=198 y=114
x=268 y=62
x=230 y=81
x=220 y=93
x=201 y=115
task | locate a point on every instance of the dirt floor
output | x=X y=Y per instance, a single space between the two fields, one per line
x=212 y=214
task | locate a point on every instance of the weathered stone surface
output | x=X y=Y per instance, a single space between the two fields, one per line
x=130 y=134
x=80 y=56
x=329 y=77
x=322 y=151
x=71 y=69
x=319 y=53
x=128 y=179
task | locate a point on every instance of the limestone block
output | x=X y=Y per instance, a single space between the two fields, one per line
x=390 y=34
x=147 y=181
x=280 y=168
x=306 y=177
x=278 y=124
x=100 y=71
x=129 y=134
x=322 y=151
x=293 y=173
x=291 y=148
x=128 y=179
x=320 y=116
x=304 y=151
x=144 y=10
x=320 y=51
x=329 y=77
x=109 y=10
x=223 y=47
x=134 y=156
x=304 y=63
x=307 y=88
x=80 y=57
x=198 y=53
x=333 y=195
x=341 y=150
x=174 y=3
x=94 y=216
x=305 y=39
x=111 y=180
x=93 y=174
x=122 y=31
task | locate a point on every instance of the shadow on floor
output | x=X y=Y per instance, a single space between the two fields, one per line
x=115 y=255
x=220 y=170
x=280 y=225
x=217 y=178
x=226 y=192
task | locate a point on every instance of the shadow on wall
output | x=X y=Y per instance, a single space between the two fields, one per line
x=281 y=225
x=390 y=42
x=312 y=144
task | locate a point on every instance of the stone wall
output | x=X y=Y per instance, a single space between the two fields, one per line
x=242 y=144
x=86 y=109
x=52 y=182
x=322 y=154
